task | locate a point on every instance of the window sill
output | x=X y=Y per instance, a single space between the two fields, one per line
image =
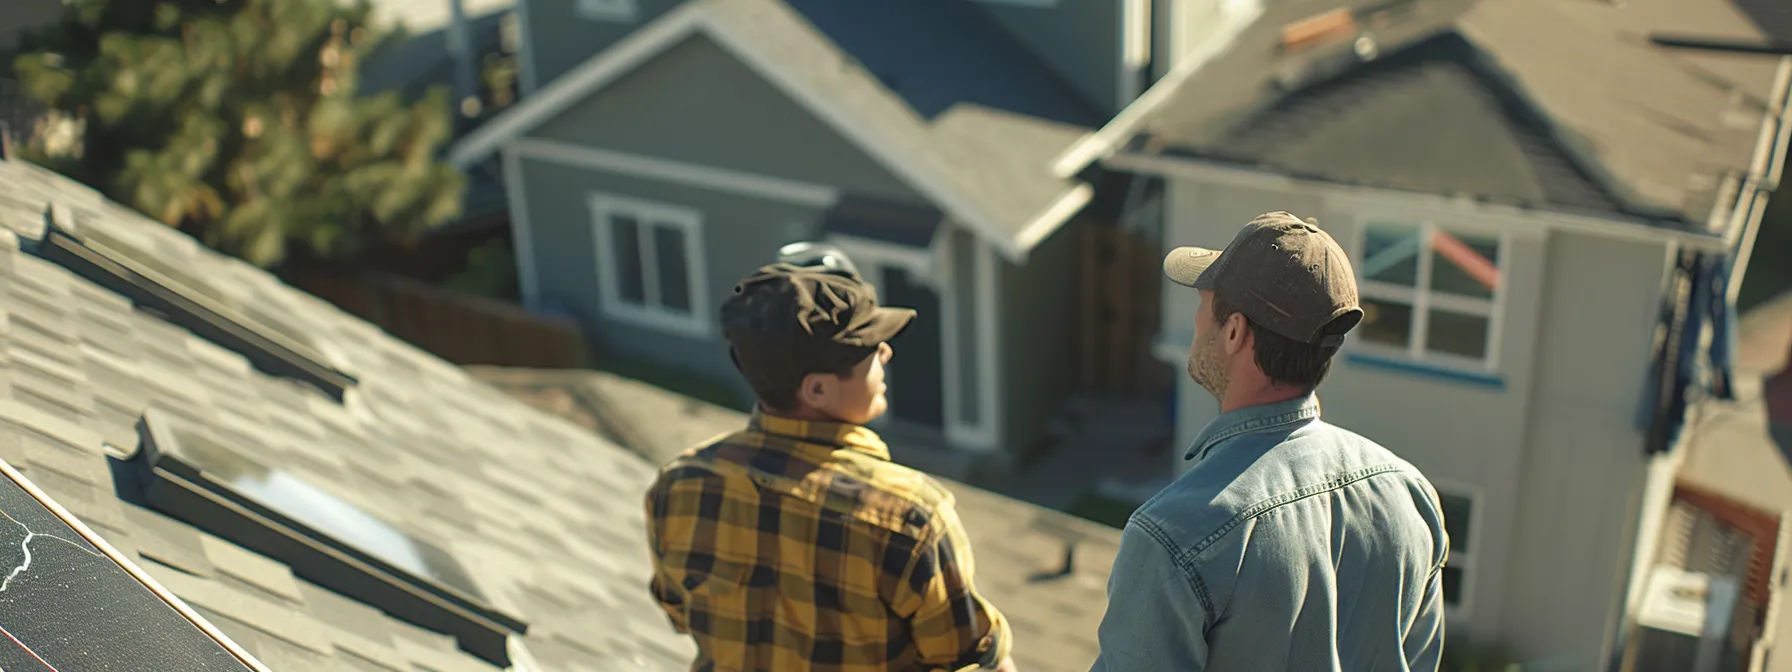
x=687 y=325
x=1484 y=380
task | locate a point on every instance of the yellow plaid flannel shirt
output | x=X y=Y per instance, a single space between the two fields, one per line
x=798 y=545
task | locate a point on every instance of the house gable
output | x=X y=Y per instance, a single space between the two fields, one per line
x=666 y=109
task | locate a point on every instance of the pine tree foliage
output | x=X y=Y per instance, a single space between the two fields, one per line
x=239 y=122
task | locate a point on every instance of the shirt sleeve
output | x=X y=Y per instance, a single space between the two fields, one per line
x=952 y=625
x=1425 y=641
x=1155 y=619
x=666 y=586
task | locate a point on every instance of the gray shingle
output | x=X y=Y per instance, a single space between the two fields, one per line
x=426 y=447
x=250 y=567
x=1573 y=138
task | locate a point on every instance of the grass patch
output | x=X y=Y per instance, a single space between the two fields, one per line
x=1108 y=511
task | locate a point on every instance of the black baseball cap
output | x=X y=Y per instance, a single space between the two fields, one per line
x=1284 y=273
x=785 y=322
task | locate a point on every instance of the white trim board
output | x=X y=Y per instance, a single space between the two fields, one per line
x=618 y=11
x=522 y=235
x=895 y=148
x=689 y=174
x=649 y=216
x=988 y=338
x=1135 y=50
x=936 y=266
x=1525 y=221
x=1102 y=142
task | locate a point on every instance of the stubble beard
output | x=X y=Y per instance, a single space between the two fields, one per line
x=1205 y=367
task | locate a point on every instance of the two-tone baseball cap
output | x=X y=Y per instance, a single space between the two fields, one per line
x=1284 y=273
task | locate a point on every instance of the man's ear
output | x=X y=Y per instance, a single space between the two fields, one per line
x=1236 y=333
x=816 y=390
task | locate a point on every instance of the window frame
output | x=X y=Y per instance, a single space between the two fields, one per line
x=1459 y=559
x=651 y=312
x=607 y=10
x=1422 y=298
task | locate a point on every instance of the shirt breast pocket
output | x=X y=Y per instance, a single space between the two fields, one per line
x=709 y=576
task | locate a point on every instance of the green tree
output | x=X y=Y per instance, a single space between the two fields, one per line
x=238 y=121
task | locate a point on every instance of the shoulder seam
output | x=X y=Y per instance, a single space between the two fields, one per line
x=1189 y=572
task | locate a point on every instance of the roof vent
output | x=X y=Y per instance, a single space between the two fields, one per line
x=1318 y=28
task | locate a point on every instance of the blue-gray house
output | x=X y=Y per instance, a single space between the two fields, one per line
x=664 y=149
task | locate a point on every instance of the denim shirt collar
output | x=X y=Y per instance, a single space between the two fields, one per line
x=1252 y=419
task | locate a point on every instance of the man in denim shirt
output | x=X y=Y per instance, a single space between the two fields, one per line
x=1291 y=544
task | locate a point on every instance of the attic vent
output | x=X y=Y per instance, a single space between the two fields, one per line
x=1318 y=28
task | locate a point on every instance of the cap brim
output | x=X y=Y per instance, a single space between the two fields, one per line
x=1184 y=265
x=886 y=324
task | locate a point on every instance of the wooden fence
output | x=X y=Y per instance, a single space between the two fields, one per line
x=1120 y=283
x=460 y=328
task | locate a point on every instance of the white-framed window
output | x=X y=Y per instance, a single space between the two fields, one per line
x=1460 y=522
x=607 y=10
x=650 y=263
x=1431 y=293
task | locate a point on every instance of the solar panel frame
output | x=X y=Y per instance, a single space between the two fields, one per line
x=13 y=478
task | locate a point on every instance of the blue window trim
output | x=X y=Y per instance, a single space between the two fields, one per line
x=1428 y=370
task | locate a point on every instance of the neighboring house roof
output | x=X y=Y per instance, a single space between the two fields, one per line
x=1054 y=620
x=985 y=158
x=1603 y=121
x=545 y=515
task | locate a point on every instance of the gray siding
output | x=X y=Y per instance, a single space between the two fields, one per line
x=1583 y=465
x=1078 y=39
x=558 y=39
x=1037 y=355
x=739 y=234
x=667 y=109
x=1551 y=449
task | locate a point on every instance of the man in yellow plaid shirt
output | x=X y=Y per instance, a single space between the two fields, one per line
x=797 y=544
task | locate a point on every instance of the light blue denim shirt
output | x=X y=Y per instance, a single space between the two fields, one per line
x=1291 y=544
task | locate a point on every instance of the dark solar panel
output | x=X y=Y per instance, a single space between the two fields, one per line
x=68 y=604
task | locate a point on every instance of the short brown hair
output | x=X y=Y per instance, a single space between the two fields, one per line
x=1283 y=359
x=776 y=386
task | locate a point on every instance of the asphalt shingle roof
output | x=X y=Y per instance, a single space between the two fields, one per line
x=939 y=53
x=1631 y=127
x=545 y=515
x=1054 y=619
x=986 y=157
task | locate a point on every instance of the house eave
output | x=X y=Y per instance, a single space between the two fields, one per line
x=1610 y=225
